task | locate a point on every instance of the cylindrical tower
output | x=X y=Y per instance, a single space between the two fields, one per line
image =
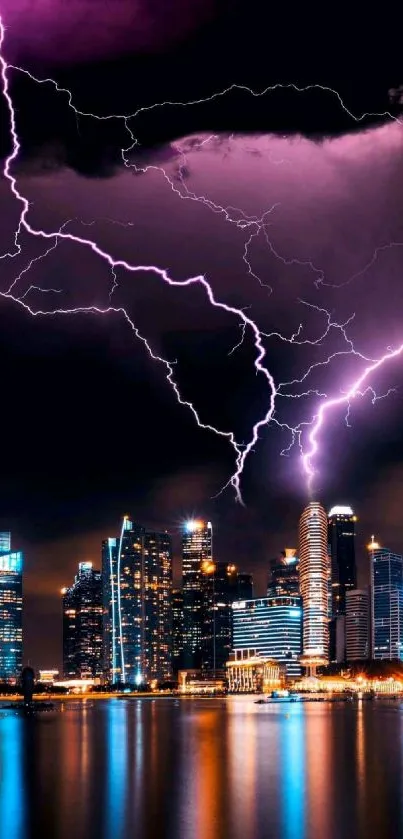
x=314 y=579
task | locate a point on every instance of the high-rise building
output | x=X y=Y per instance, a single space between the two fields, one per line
x=137 y=598
x=387 y=603
x=220 y=589
x=5 y=541
x=177 y=629
x=11 y=567
x=284 y=575
x=341 y=540
x=82 y=625
x=314 y=577
x=272 y=626
x=197 y=549
x=357 y=624
x=245 y=587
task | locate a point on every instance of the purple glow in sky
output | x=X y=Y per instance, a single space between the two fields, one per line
x=62 y=31
x=268 y=172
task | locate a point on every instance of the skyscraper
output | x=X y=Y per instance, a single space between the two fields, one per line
x=177 y=629
x=341 y=540
x=272 y=626
x=197 y=549
x=314 y=576
x=137 y=598
x=11 y=566
x=220 y=589
x=357 y=624
x=82 y=625
x=245 y=587
x=387 y=603
x=284 y=575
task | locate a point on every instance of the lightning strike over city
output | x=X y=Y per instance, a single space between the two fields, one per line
x=201 y=484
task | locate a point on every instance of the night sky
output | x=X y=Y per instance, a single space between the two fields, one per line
x=90 y=427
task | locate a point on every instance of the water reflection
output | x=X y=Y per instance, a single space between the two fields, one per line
x=12 y=798
x=203 y=769
x=293 y=774
x=116 y=770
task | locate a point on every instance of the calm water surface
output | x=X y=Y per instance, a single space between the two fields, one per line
x=203 y=769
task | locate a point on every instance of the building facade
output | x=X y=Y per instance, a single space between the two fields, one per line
x=245 y=587
x=137 y=603
x=220 y=589
x=11 y=569
x=82 y=625
x=249 y=672
x=314 y=584
x=272 y=626
x=284 y=575
x=177 y=629
x=197 y=552
x=341 y=542
x=387 y=603
x=357 y=624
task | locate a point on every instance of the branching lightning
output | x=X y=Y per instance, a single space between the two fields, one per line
x=305 y=434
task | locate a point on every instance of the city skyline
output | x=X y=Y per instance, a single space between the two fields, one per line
x=260 y=573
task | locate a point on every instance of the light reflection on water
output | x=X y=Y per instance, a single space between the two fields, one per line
x=203 y=769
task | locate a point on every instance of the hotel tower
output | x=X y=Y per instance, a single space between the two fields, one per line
x=314 y=582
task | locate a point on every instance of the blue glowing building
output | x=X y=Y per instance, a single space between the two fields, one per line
x=137 y=603
x=11 y=563
x=387 y=603
x=273 y=627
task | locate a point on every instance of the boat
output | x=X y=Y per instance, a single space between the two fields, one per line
x=279 y=696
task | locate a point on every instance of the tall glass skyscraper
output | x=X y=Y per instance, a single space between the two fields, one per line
x=82 y=625
x=341 y=540
x=11 y=567
x=197 y=551
x=220 y=589
x=177 y=629
x=284 y=575
x=357 y=624
x=137 y=578
x=314 y=582
x=387 y=603
x=272 y=626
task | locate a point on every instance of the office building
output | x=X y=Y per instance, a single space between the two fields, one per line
x=245 y=587
x=197 y=549
x=284 y=575
x=220 y=589
x=11 y=568
x=272 y=626
x=387 y=603
x=5 y=541
x=177 y=629
x=137 y=599
x=357 y=624
x=82 y=625
x=341 y=541
x=314 y=585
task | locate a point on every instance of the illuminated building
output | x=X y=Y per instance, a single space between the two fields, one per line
x=5 y=541
x=220 y=588
x=11 y=565
x=341 y=549
x=357 y=624
x=137 y=577
x=249 y=672
x=197 y=549
x=245 y=587
x=177 y=628
x=284 y=575
x=387 y=603
x=314 y=578
x=82 y=625
x=48 y=677
x=272 y=626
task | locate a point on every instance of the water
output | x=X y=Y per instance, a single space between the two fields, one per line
x=203 y=769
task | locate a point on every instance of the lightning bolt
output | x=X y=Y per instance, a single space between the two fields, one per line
x=255 y=226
